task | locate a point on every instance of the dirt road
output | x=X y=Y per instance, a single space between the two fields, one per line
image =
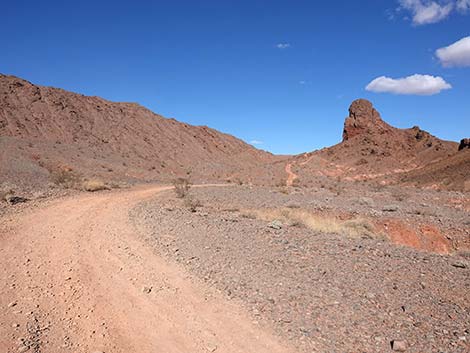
x=75 y=277
x=291 y=176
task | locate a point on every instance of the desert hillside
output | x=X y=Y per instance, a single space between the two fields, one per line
x=49 y=135
x=45 y=132
x=372 y=149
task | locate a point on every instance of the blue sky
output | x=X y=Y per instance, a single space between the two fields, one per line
x=219 y=63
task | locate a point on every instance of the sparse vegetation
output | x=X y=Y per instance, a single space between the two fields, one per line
x=400 y=194
x=231 y=209
x=238 y=181
x=191 y=203
x=5 y=191
x=181 y=187
x=296 y=183
x=94 y=185
x=325 y=224
x=66 y=178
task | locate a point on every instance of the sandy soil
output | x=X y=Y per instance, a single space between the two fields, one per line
x=75 y=278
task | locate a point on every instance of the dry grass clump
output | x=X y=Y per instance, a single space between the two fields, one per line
x=182 y=186
x=192 y=204
x=94 y=185
x=66 y=178
x=296 y=183
x=5 y=191
x=400 y=194
x=284 y=190
x=354 y=228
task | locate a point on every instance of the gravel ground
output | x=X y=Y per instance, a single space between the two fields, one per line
x=324 y=292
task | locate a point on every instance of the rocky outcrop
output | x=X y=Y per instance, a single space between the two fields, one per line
x=464 y=144
x=363 y=119
x=374 y=150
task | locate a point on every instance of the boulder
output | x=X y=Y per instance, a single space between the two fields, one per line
x=464 y=144
x=13 y=200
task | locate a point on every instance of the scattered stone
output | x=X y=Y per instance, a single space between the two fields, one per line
x=211 y=347
x=13 y=200
x=460 y=264
x=146 y=289
x=12 y=304
x=302 y=281
x=23 y=349
x=275 y=224
x=365 y=201
x=399 y=346
x=390 y=208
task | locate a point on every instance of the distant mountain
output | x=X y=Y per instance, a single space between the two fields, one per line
x=44 y=131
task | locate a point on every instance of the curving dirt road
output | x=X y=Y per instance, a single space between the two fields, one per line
x=291 y=176
x=75 y=278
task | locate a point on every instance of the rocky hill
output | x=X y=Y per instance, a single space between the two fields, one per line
x=45 y=132
x=372 y=149
x=51 y=135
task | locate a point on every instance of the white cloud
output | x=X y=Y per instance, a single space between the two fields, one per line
x=456 y=54
x=423 y=85
x=283 y=45
x=256 y=142
x=463 y=5
x=425 y=12
x=303 y=82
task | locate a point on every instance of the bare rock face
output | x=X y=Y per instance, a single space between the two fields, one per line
x=363 y=119
x=464 y=144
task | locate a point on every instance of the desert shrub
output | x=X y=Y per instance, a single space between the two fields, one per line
x=66 y=178
x=94 y=185
x=5 y=192
x=181 y=187
x=249 y=214
x=463 y=253
x=336 y=188
x=191 y=203
x=400 y=194
x=238 y=181
x=296 y=183
x=292 y=205
x=231 y=209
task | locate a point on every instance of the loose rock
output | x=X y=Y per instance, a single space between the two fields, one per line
x=399 y=346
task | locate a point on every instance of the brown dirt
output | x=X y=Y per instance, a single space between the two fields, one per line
x=75 y=278
x=422 y=237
